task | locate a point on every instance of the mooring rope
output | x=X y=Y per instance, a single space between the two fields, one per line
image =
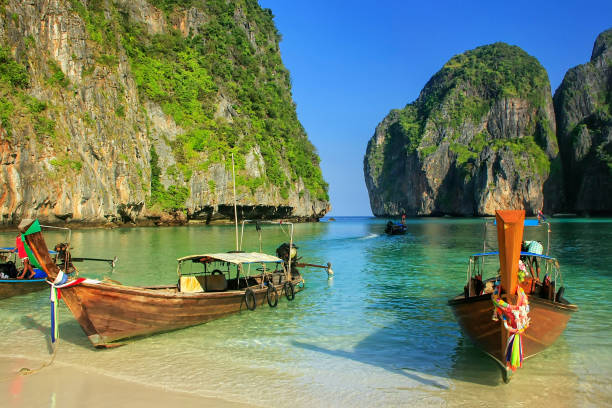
x=27 y=371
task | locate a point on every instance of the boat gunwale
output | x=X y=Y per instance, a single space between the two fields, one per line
x=157 y=291
x=23 y=280
x=461 y=299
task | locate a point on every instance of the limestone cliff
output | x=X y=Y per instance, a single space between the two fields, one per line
x=129 y=111
x=480 y=136
x=583 y=106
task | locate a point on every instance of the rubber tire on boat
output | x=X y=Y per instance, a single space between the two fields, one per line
x=269 y=294
x=289 y=288
x=248 y=293
x=216 y=272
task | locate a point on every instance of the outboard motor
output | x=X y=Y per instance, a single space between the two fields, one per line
x=285 y=254
x=63 y=259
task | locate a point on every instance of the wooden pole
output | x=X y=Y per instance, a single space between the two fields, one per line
x=235 y=207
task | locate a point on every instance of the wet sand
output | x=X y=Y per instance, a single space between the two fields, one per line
x=66 y=387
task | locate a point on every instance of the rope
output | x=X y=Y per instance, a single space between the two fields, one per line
x=27 y=371
x=283 y=229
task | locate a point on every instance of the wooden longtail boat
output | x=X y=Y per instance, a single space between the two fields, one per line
x=548 y=311
x=11 y=267
x=16 y=287
x=109 y=312
x=395 y=228
x=10 y=285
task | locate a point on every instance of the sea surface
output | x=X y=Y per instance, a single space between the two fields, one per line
x=378 y=334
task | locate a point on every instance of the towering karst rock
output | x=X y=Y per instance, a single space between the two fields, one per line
x=480 y=136
x=583 y=106
x=129 y=110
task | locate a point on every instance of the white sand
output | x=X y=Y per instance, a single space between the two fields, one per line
x=60 y=386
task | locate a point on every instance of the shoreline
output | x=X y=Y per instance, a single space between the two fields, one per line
x=60 y=385
x=76 y=225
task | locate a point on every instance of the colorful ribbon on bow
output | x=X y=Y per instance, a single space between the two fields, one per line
x=61 y=282
x=516 y=321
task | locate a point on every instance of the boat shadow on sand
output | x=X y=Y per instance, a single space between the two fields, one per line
x=394 y=350
x=469 y=364
x=430 y=364
x=70 y=332
x=356 y=357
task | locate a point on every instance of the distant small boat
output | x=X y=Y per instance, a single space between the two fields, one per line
x=509 y=318
x=395 y=228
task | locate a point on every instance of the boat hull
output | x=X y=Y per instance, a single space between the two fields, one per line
x=16 y=287
x=108 y=313
x=396 y=230
x=548 y=321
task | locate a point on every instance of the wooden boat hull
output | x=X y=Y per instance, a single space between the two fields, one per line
x=108 y=313
x=548 y=321
x=16 y=287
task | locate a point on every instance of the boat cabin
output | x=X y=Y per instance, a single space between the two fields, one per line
x=539 y=274
x=229 y=271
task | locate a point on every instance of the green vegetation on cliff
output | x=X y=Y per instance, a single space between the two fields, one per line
x=172 y=198
x=13 y=78
x=479 y=136
x=499 y=70
x=465 y=90
x=22 y=113
x=233 y=59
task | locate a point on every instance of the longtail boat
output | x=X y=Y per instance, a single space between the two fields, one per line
x=11 y=281
x=210 y=286
x=16 y=287
x=395 y=228
x=520 y=310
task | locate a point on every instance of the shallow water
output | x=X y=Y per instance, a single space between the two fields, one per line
x=379 y=333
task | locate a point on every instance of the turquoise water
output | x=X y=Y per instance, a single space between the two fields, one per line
x=379 y=333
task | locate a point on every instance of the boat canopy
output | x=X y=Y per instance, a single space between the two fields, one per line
x=522 y=254
x=237 y=258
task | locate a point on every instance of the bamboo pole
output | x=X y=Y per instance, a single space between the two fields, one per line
x=235 y=207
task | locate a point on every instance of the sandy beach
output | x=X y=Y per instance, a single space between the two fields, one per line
x=63 y=386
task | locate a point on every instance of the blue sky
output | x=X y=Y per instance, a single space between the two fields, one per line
x=351 y=62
